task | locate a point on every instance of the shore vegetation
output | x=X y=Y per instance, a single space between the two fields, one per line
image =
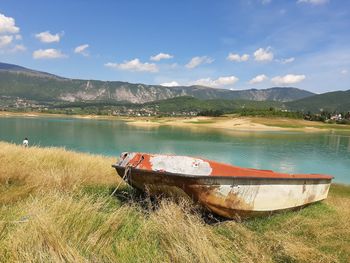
x=56 y=206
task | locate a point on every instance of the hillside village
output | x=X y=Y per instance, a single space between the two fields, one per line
x=165 y=108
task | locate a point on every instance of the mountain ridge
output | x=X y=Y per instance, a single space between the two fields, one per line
x=19 y=69
x=17 y=81
x=335 y=101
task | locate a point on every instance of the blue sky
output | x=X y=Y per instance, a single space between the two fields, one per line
x=222 y=44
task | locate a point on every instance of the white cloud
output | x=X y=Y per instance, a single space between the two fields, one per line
x=82 y=50
x=313 y=2
x=287 y=79
x=18 y=37
x=134 y=65
x=196 y=61
x=18 y=48
x=258 y=79
x=170 y=84
x=221 y=81
x=161 y=56
x=50 y=53
x=344 y=71
x=7 y=47
x=5 y=40
x=7 y=25
x=47 y=37
x=287 y=60
x=237 y=57
x=263 y=54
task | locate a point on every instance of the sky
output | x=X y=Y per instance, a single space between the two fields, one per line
x=222 y=44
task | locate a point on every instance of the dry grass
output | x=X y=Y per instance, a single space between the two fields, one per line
x=298 y=123
x=55 y=206
x=53 y=168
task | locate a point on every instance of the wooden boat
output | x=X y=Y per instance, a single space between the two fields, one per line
x=224 y=189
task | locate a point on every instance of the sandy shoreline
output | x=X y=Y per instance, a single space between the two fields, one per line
x=238 y=124
x=227 y=123
x=207 y=122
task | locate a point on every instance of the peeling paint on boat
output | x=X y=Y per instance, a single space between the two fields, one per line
x=125 y=158
x=180 y=164
x=224 y=189
x=275 y=197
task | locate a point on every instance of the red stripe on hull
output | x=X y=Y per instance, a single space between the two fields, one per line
x=143 y=161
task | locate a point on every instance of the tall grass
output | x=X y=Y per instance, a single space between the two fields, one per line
x=55 y=206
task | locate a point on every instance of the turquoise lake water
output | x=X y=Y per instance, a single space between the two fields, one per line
x=291 y=152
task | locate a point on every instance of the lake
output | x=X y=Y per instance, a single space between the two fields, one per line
x=290 y=152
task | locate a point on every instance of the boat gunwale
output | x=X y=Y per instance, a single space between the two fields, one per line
x=240 y=179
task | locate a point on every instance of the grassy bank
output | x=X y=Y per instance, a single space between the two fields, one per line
x=55 y=205
x=230 y=122
x=237 y=123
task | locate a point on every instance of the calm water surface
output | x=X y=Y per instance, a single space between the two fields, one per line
x=291 y=152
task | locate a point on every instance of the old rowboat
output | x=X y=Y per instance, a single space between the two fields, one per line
x=222 y=188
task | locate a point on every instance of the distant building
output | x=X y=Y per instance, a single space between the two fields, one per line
x=336 y=117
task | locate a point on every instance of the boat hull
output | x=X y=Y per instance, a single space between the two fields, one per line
x=231 y=196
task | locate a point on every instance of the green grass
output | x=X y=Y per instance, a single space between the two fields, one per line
x=57 y=207
x=340 y=190
x=298 y=123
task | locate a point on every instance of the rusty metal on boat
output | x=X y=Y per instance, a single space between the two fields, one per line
x=224 y=189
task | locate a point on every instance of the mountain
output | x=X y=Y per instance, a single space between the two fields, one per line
x=5 y=67
x=187 y=104
x=282 y=94
x=338 y=101
x=16 y=81
x=179 y=106
x=11 y=67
